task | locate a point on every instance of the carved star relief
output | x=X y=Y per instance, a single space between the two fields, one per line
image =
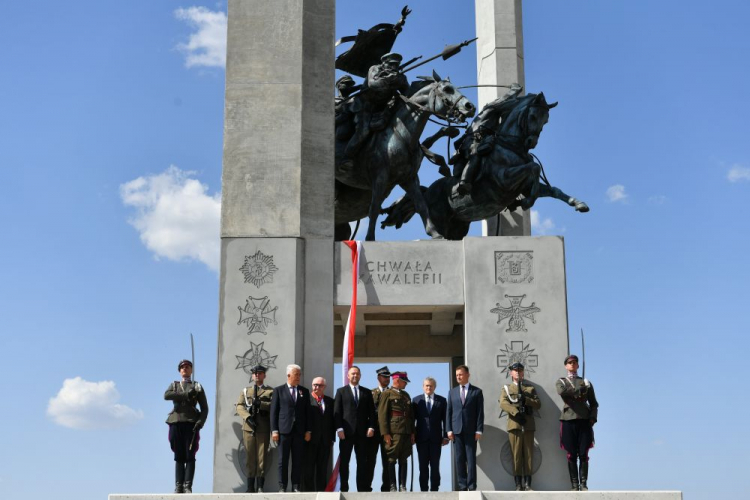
x=258 y=269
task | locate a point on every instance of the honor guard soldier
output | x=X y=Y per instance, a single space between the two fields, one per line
x=396 y=420
x=254 y=408
x=185 y=422
x=384 y=376
x=519 y=400
x=577 y=421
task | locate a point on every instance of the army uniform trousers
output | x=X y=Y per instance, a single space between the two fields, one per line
x=576 y=438
x=522 y=450
x=256 y=448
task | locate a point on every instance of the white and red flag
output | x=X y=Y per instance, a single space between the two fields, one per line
x=347 y=354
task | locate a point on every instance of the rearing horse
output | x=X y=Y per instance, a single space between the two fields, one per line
x=392 y=156
x=506 y=174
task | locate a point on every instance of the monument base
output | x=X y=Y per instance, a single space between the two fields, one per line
x=443 y=495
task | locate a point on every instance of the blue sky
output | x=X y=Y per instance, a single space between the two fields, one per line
x=110 y=164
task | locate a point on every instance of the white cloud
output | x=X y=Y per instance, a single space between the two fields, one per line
x=207 y=45
x=90 y=405
x=175 y=216
x=541 y=226
x=616 y=193
x=738 y=173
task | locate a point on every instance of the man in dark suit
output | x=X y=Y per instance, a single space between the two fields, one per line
x=290 y=427
x=465 y=423
x=354 y=417
x=430 y=411
x=318 y=449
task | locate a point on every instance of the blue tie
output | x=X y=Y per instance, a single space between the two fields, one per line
x=429 y=405
x=356 y=396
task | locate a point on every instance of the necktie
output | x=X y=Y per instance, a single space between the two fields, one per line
x=463 y=394
x=356 y=396
x=429 y=404
x=294 y=394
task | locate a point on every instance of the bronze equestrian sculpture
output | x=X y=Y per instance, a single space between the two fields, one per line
x=392 y=156
x=508 y=176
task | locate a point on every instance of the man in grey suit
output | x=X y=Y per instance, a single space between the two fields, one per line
x=465 y=424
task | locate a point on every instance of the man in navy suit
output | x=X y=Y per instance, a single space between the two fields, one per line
x=429 y=412
x=465 y=423
x=354 y=417
x=290 y=425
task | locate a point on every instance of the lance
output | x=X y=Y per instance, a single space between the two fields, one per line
x=448 y=52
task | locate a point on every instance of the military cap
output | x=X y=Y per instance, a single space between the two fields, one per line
x=258 y=368
x=344 y=81
x=571 y=357
x=384 y=372
x=401 y=375
x=516 y=366
x=392 y=57
x=185 y=362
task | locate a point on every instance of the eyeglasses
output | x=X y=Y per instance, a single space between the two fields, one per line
x=319 y=385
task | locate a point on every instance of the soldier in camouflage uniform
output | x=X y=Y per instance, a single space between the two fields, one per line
x=519 y=400
x=396 y=420
x=577 y=421
x=185 y=423
x=384 y=376
x=254 y=408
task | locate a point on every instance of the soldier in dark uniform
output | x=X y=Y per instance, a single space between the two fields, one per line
x=344 y=120
x=519 y=400
x=185 y=423
x=374 y=103
x=577 y=421
x=482 y=134
x=396 y=420
x=384 y=376
x=254 y=408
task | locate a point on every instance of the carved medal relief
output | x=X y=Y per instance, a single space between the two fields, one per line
x=515 y=312
x=514 y=267
x=256 y=355
x=517 y=352
x=258 y=269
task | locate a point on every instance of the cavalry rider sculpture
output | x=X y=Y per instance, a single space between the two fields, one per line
x=374 y=104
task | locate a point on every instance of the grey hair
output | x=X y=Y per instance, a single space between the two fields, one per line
x=291 y=368
x=430 y=379
x=325 y=382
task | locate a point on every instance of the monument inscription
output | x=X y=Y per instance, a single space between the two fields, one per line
x=399 y=272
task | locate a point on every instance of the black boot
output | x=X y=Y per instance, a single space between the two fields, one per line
x=392 y=476
x=282 y=488
x=527 y=483
x=250 y=484
x=517 y=479
x=189 y=474
x=179 y=477
x=584 y=474
x=573 y=471
x=296 y=488
x=261 y=480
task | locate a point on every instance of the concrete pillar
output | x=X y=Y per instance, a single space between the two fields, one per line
x=516 y=310
x=276 y=279
x=500 y=62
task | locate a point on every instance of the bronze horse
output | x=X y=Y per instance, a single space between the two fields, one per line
x=508 y=176
x=392 y=156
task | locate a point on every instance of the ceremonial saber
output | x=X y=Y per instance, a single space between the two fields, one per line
x=583 y=354
x=192 y=358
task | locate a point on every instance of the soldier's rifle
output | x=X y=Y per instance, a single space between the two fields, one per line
x=253 y=409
